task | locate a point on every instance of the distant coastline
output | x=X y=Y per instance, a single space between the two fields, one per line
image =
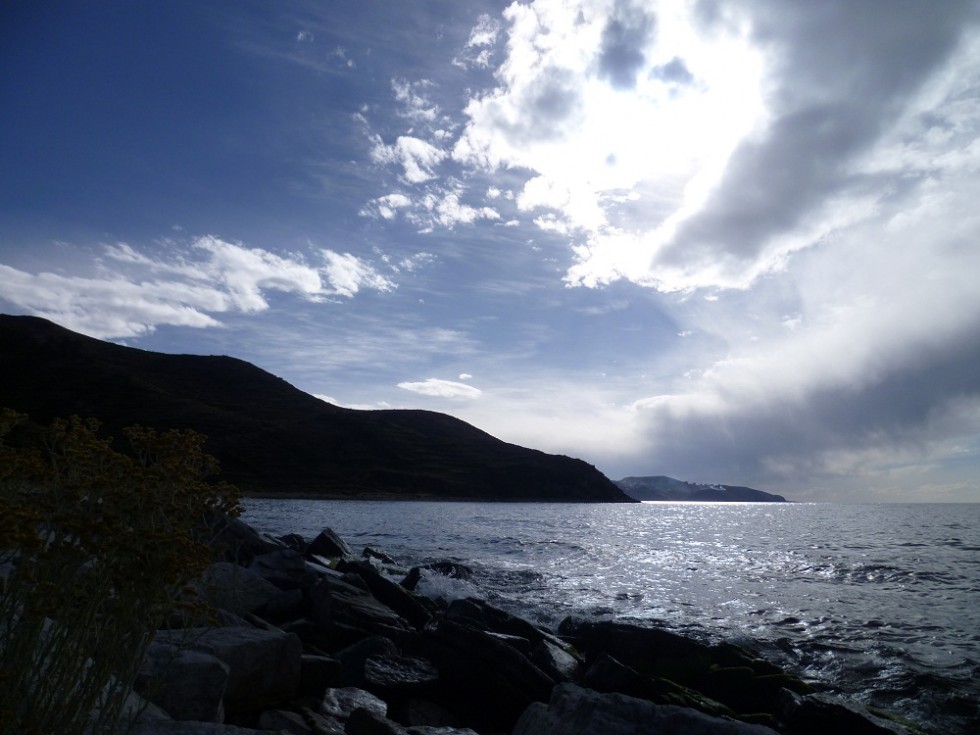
x=669 y=489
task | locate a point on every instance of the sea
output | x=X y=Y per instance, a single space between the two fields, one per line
x=878 y=604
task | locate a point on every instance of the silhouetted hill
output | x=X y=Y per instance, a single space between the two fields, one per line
x=661 y=487
x=270 y=437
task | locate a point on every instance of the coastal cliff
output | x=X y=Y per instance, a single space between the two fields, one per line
x=270 y=437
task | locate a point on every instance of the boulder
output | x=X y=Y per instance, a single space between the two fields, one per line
x=372 y=553
x=391 y=594
x=574 y=710
x=175 y=727
x=317 y=673
x=815 y=714
x=368 y=722
x=263 y=665
x=558 y=662
x=338 y=606
x=234 y=588
x=451 y=569
x=187 y=684
x=285 y=568
x=301 y=722
x=329 y=545
x=339 y=703
x=236 y=541
x=488 y=678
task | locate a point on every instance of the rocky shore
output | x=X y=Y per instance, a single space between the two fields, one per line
x=306 y=637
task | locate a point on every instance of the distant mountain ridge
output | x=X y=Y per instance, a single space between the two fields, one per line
x=661 y=487
x=270 y=437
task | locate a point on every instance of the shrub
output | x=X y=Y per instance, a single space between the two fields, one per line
x=95 y=547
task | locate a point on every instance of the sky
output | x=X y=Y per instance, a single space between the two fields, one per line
x=726 y=241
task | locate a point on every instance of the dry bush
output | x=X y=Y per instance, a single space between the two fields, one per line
x=95 y=546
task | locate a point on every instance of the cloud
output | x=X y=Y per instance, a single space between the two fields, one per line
x=478 y=50
x=628 y=32
x=416 y=157
x=134 y=292
x=348 y=274
x=442 y=388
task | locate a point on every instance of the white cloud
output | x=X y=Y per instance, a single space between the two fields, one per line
x=134 y=292
x=478 y=50
x=441 y=388
x=347 y=274
x=416 y=106
x=416 y=157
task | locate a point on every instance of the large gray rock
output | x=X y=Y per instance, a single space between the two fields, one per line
x=329 y=545
x=285 y=568
x=818 y=713
x=234 y=588
x=174 y=727
x=263 y=665
x=187 y=684
x=340 y=702
x=573 y=710
x=336 y=602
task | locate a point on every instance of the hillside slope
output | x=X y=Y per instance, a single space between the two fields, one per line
x=661 y=487
x=270 y=437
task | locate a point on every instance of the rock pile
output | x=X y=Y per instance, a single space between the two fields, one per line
x=310 y=639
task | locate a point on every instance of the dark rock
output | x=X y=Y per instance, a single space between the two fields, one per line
x=430 y=730
x=573 y=710
x=483 y=615
x=328 y=544
x=187 y=684
x=287 y=605
x=317 y=674
x=815 y=714
x=398 y=674
x=339 y=703
x=607 y=675
x=286 y=721
x=367 y=722
x=488 y=678
x=387 y=592
x=295 y=542
x=558 y=662
x=175 y=727
x=372 y=553
x=234 y=588
x=236 y=541
x=285 y=568
x=353 y=658
x=336 y=604
x=414 y=711
x=263 y=665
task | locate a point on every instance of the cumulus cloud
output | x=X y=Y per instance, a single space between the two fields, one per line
x=134 y=292
x=442 y=388
x=416 y=157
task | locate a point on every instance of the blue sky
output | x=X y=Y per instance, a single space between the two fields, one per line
x=724 y=241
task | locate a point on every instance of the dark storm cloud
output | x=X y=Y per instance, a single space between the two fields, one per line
x=624 y=40
x=843 y=70
x=769 y=441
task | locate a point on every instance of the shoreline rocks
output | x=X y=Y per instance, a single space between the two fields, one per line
x=311 y=639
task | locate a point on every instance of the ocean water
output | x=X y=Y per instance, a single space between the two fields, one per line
x=876 y=603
